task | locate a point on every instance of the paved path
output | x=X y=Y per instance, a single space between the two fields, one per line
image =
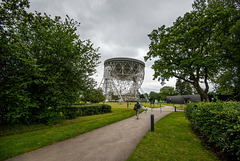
x=113 y=142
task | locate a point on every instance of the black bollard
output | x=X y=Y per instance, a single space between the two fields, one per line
x=152 y=123
x=175 y=108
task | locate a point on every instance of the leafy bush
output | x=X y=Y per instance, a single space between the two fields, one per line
x=44 y=64
x=85 y=110
x=219 y=122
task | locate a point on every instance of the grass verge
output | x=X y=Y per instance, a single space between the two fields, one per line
x=172 y=140
x=131 y=104
x=147 y=104
x=43 y=135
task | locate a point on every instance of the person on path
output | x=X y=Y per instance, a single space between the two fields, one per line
x=137 y=110
x=145 y=109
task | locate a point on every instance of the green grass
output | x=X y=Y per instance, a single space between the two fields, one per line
x=131 y=104
x=177 y=105
x=156 y=105
x=36 y=136
x=119 y=104
x=173 y=140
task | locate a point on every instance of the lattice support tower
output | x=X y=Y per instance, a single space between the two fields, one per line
x=122 y=77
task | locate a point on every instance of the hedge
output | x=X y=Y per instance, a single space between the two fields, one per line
x=219 y=122
x=85 y=110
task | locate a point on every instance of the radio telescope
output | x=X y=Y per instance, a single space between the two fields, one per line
x=122 y=77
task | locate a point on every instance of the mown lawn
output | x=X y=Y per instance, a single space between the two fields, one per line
x=131 y=104
x=147 y=104
x=34 y=137
x=173 y=140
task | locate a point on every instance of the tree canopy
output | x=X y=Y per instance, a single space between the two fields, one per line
x=196 y=48
x=153 y=96
x=183 y=88
x=44 y=63
x=166 y=91
x=93 y=96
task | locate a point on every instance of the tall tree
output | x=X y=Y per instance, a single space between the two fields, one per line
x=183 y=88
x=93 y=96
x=44 y=63
x=153 y=96
x=191 y=50
x=227 y=36
x=167 y=91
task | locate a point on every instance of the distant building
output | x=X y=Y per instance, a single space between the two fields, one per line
x=183 y=99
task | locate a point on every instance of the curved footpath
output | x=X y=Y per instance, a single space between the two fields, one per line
x=114 y=142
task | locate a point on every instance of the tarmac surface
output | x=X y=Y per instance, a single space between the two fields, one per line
x=114 y=142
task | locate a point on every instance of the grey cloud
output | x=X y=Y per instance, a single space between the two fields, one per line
x=118 y=27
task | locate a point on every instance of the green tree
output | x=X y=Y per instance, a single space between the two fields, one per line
x=166 y=91
x=115 y=97
x=183 y=88
x=144 y=97
x=44 y=64
x=227 y=36
x=226 y=83
x=93 y=95
x=191 y=49
x=153 y=96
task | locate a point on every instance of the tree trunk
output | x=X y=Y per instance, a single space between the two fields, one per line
x=200 y=91
x=204 y=96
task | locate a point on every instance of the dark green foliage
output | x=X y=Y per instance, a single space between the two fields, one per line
x=219 y=122
x=183 y=88
x=228 y=38
x=114 y=97
x=85 y=110
x=44 y=65
x=200 y=47
x=166 y=91
x=93 y=96
x=153 y=96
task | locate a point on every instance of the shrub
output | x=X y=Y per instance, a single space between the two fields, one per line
x=44 y=64
x=219 y=122
x=85 y=110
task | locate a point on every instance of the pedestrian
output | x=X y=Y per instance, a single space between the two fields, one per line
x=137 y=110
x=145 y=109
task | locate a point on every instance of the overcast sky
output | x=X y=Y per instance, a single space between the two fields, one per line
x=119 y=27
